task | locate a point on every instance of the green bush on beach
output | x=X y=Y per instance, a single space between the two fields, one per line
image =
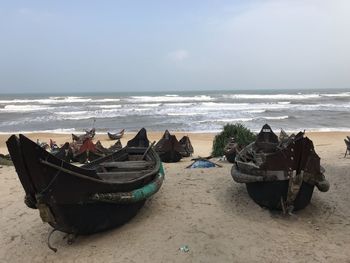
x=242 y=134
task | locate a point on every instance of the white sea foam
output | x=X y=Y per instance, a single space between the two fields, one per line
x=181 y=104
x=58 y=100
x=323 y=107
x=275 y=118
x=148 y=105
x=57 y=131
x=108 y=106
x=273 y=96
x=184 y=113
x=235 y=120
x=342 y=94
x=50 y=100
x=255 y=111
x=92 y=114
x=23 y=108
x=140 y=99
x=334 y=129
x=71 y=112
x=105 y=100
x=226 y=120
x=242 y=106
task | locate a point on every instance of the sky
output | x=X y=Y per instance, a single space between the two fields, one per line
x=91 y=46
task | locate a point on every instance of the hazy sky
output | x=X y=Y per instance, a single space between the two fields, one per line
x=173 y=45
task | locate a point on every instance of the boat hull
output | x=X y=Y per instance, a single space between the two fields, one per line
x=170 y=157
x=230 y=157
x=92 y=218
x=270 y=194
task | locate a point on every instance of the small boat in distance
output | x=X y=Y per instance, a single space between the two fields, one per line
x=231 y=149
x=187 y=145
x=169 y=149
x=116 y=136
x=81 y=138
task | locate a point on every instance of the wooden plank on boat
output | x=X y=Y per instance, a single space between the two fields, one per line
x=128 y=165
x=122 y=176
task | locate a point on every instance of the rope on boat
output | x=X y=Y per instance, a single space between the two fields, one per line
x=65 y=169
x=48 y=240
x=133 y=196
x=268 y=176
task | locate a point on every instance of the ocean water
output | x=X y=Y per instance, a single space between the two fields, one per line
x=177 y=111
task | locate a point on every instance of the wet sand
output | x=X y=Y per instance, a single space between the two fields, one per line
x=201 y=208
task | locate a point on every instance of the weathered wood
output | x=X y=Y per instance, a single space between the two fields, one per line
x=123 y=176
x=128 y=164
x=123 y=173
x=149 y=147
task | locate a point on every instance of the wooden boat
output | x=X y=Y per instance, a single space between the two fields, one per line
x=92 y=198
x=81 y=138
x=169 y=149
x=140 y=140
x=280 y=174
x=187 y=145
x=347 y=143
x=87 y=152
x=231 y=150
x=64 y=153
x=116 y=136
x=115 y=147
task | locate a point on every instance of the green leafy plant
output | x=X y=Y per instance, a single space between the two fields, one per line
x=242 y=134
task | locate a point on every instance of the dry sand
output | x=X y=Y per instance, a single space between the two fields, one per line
x=201 y=208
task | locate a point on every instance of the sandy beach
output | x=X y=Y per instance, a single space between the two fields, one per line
x=201 y=208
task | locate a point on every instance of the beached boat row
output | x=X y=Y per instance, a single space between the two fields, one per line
x=82 y=149
x=109 y=191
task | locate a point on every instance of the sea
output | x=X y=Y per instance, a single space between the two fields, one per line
x=190 y=111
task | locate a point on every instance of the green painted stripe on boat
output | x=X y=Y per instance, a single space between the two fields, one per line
x=133 y=196
x=144 y=192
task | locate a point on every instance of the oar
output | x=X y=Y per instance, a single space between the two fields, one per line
x=149 y=147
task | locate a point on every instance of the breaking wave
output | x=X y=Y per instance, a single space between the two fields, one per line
x=183 y=111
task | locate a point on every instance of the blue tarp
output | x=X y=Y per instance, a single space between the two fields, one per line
x=202 y=164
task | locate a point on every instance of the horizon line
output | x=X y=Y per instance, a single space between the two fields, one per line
x=170 y=91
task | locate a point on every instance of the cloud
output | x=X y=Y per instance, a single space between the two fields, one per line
x=178 y=55
x=280 y=44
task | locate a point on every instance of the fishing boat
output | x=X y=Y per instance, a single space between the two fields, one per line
x=87 y=152
x=81 y=138
x=187 y=145
x=280 y=174
x=64 y=153
x=91 y=198
x=140 y=140
x=169 y=149
x=115 y=147
x=116 y=136
x=231 y=149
